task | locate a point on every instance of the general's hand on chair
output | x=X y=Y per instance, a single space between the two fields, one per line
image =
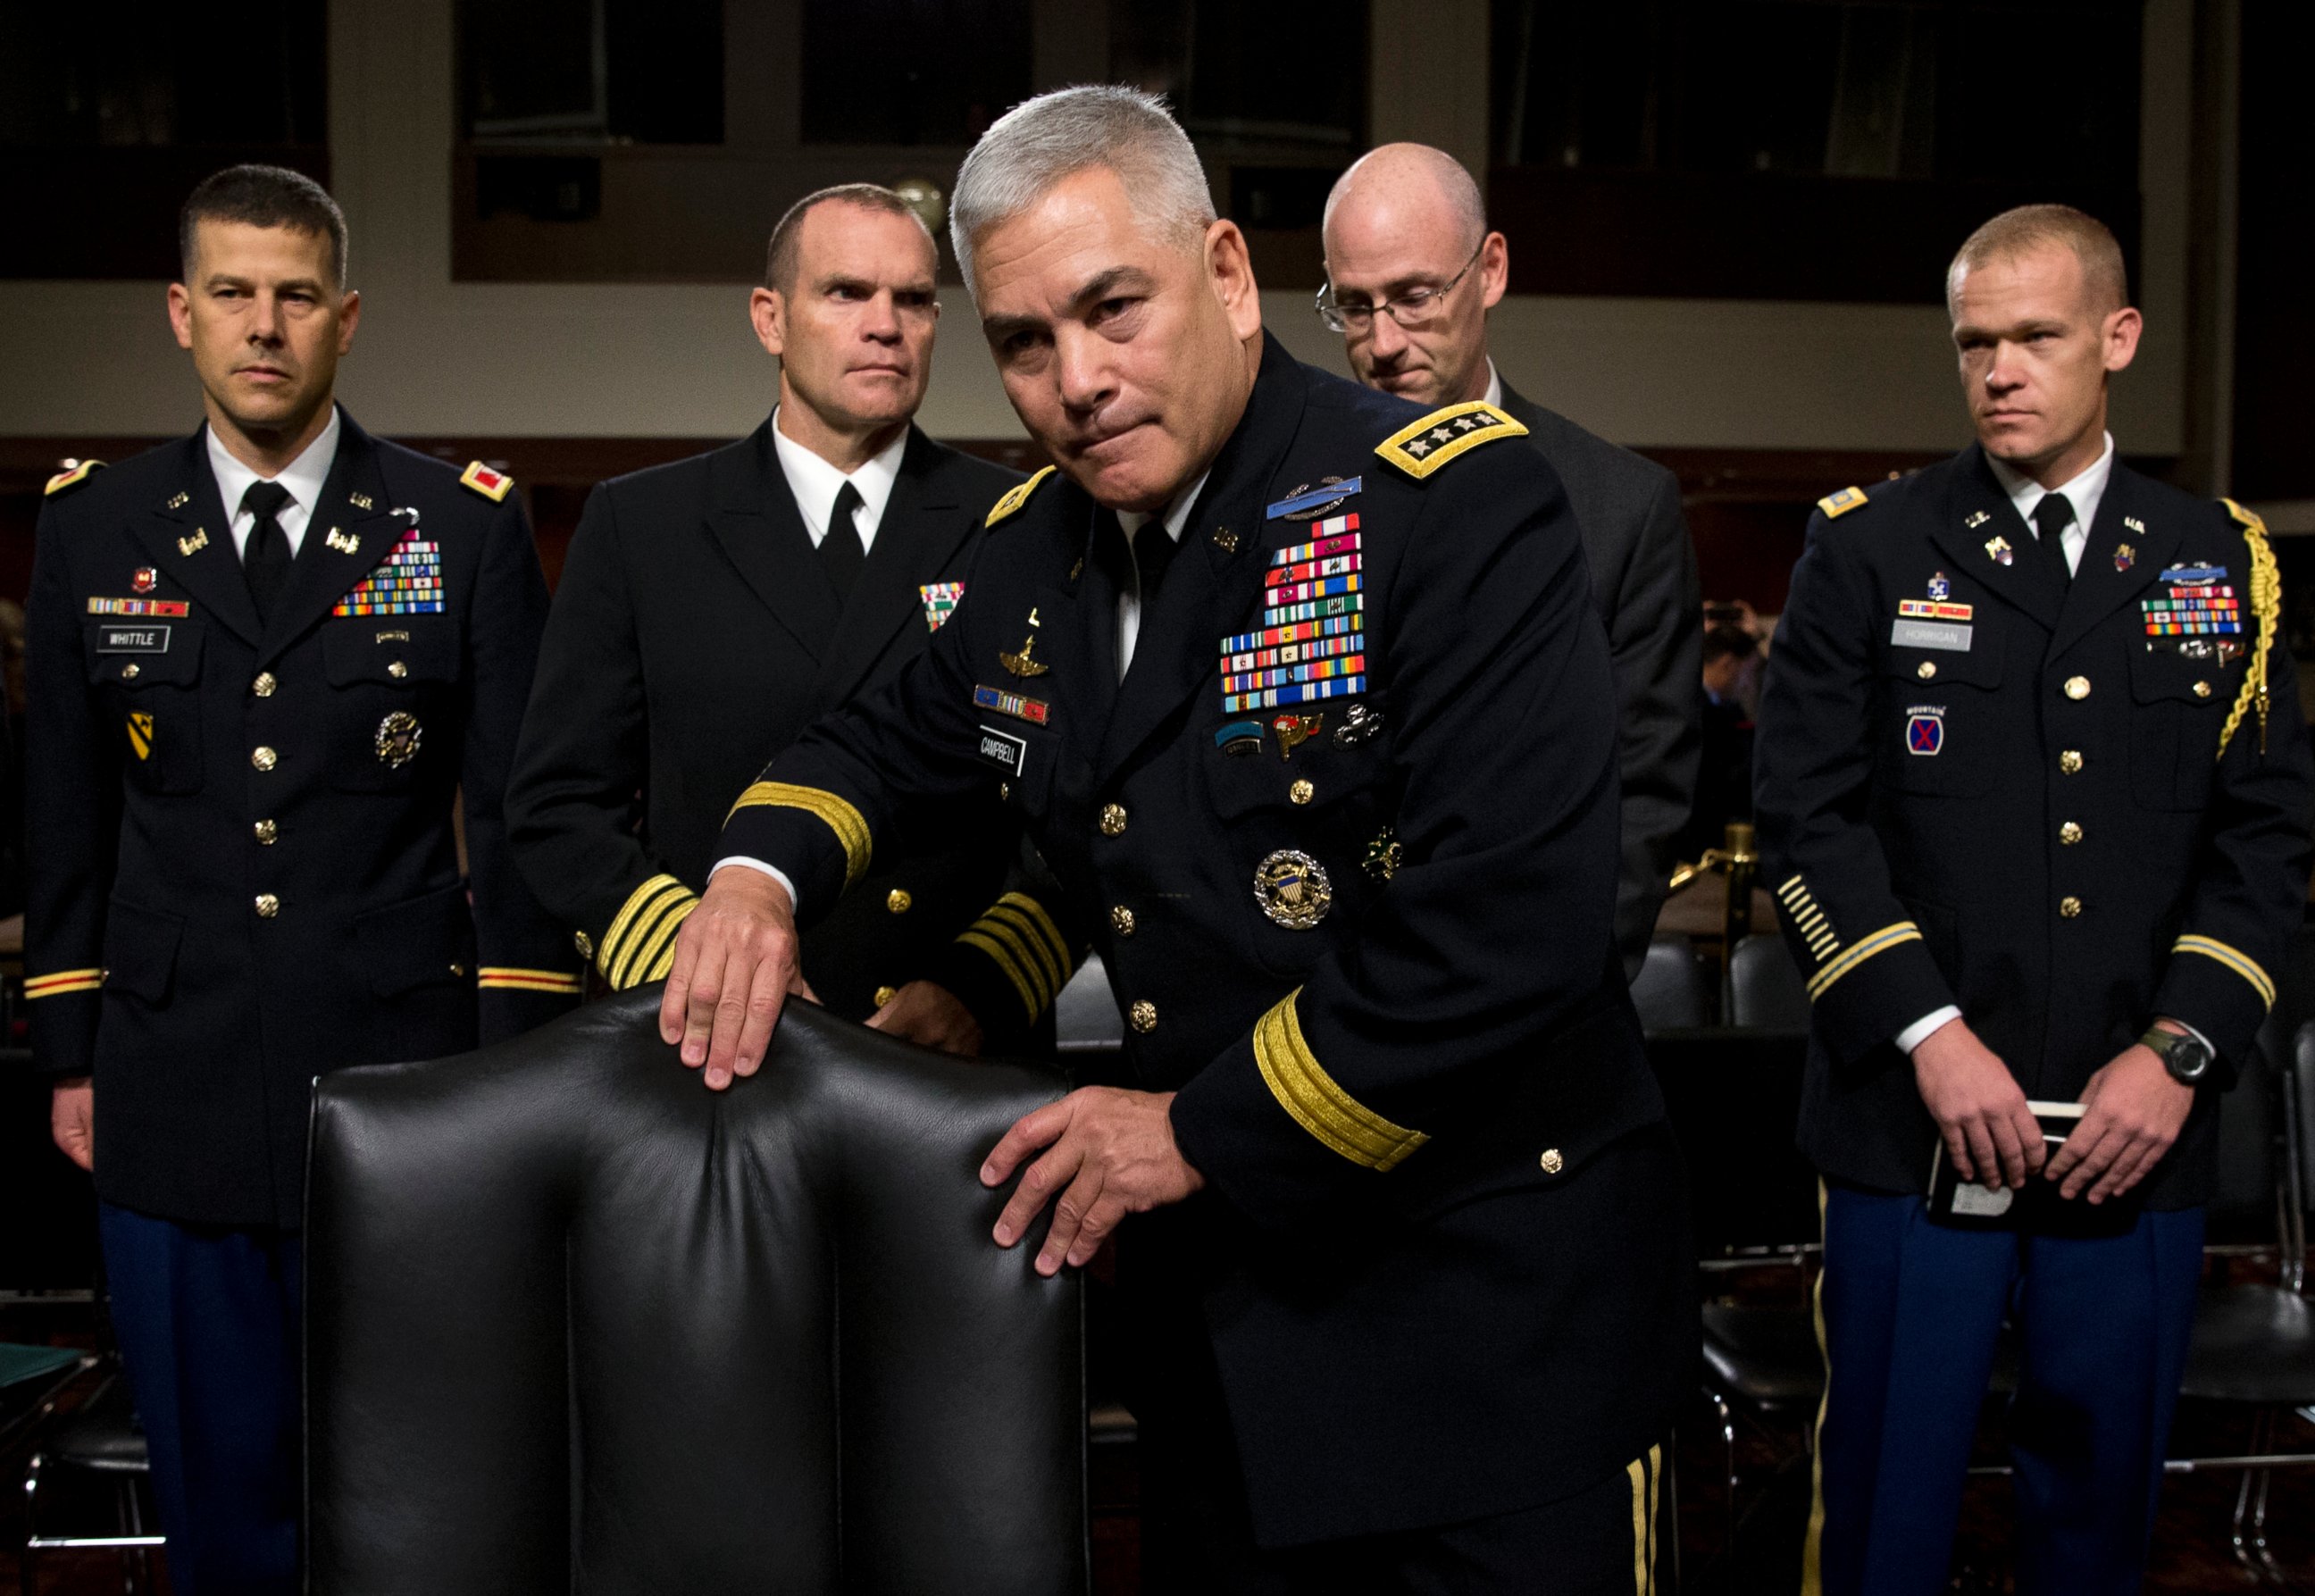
x=735 y=964
x=1110 y=1153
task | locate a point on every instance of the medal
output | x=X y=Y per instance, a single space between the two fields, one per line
x=1293 y=890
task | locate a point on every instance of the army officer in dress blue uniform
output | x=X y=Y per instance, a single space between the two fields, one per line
x=1300 y=691
x=2034 y=793
x=265 y=663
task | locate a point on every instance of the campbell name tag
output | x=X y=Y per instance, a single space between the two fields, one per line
x=132 y=640
x=1929 y=635
x=1007 y=752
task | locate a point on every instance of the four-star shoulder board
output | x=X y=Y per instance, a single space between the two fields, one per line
x=493 y=486
x=66 y=479
x=1015 y=497
x=1439 y=437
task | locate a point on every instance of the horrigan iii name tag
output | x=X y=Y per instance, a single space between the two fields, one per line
x=1929 y=634
x=132 y=640
x=1007 y=752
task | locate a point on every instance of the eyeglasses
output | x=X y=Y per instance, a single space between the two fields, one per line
x=1413 y=309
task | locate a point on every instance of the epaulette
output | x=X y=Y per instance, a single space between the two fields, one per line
x=1837 y=505
x=2266 y=608
x=493 y=486
x=1437 y=437
x=66 y=479
x=1015 y=498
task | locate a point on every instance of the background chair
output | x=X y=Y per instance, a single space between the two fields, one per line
x=570 y=1313
x=99 y=1442
x=1675 y=990
x=1765 y=990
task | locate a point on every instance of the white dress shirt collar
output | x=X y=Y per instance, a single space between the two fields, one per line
x=816 y=483
x=305 y=477
x=2084 y=491
x=1494 y=394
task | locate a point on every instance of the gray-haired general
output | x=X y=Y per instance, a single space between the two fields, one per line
x=1412 y=271
x=1298 y=688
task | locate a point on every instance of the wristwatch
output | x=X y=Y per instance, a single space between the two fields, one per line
x=2186 y=1058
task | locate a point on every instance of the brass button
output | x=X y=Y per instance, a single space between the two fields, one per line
x=898 y=902
x=2078 y=687
x=458 y=970
x=267 y=831
x=2070 y=761
x=1121 y=920
x=1302 y=792
x=1144 y=1015
x=883 y=995
x=397 y=670
x=584 y=944
x=2069 y=908
x=1926 y=669
x=2069 y=834
x=2202 y=689
x=1004 y=791
x=265 y=685
x=264 y=758
x=1551 y=1163
x=268 y=906
x=1113 y=819
x=131 y=671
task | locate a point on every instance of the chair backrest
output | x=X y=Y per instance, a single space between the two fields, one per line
x=569 y=1313
x=1765 y=990
x=1085 y=1015
x=1674 y=989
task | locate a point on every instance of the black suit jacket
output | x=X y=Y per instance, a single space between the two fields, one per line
x=1443 y=1273
x=1978 y=787
x=1644 y=580
x=244 y=870
x=694 y=632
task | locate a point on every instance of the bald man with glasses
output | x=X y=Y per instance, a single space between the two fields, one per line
x=1411 y=271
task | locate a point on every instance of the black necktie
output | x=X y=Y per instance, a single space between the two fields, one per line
x=1153 y=550
x=2052 y=517
x=841 y=553
x=265 y=558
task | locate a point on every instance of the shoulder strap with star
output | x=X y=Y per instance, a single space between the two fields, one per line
x=1015 y=498
x=72 y=477
x=1437 y=437
x=2267 y=606
x=493 y=486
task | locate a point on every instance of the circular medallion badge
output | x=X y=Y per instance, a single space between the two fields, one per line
x=398 y=736
x=1293 y=890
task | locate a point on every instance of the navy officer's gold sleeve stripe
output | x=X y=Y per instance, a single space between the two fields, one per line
x=507 y=978
x=1304 y=1089
x=1022 y=941
x=57 y=983
x=639 y=945
x=1857 y=953
x=851 y=827
x=2234 y=959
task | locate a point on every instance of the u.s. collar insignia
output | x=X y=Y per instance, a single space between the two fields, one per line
x=1976 y=519
x=2135 y=525
x=2124 y=556
x=1997 y=549
x=361 y=500
x=178 y=501
x=344 y=542
x=194 y=545
x=1307 y=503
x=1292 y=889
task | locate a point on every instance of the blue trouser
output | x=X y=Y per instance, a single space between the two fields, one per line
x=1911 y=1312
x=207 y=1320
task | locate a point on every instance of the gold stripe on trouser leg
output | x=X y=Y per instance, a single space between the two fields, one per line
x=1644 y=1472
x=1812 y=1549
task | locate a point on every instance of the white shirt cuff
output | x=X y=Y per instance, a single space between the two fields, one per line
x=773 y=870
x=1919 y=1031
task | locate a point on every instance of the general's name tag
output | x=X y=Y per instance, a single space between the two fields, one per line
x=132 y=640
x=1007 y=752
x=1929 y=635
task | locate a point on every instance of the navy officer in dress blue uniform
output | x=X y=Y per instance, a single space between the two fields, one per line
x=2034 y=793
x=1302 y=693
x=266 y=663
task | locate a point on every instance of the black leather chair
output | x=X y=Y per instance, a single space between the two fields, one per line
x=1675 y=990
x=1765 y=990
x=573 y=1321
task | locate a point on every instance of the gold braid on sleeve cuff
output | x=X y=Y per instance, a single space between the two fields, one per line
x=507 y=978
x=1021 y=939
x=1319 y=1104
x=57 y=983
x=1842 y=961
x=2234 y=959
x=640 y=945
x=851 y=827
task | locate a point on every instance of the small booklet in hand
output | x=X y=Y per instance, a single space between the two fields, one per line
x=2038 y=1206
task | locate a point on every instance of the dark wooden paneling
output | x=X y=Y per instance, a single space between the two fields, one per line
x=2275 y=315
x=113 y=213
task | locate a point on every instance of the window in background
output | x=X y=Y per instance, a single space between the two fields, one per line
x=130 y=119
x=911 y=71
x=1842 y=146
x=592 y=71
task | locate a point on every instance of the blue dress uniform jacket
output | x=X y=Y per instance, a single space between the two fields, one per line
x=694 y=629
x=1366 y=936
x=244 y=865
x=2039 y=802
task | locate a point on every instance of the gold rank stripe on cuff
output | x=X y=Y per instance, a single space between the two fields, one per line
x=63 y=981
x=1021 y=938
x=1304 y=1089
x=851 y=827
x=1864 y=948
x=2234 y=959
x=640 y=945
x=506 y=978
x=1808 y=919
